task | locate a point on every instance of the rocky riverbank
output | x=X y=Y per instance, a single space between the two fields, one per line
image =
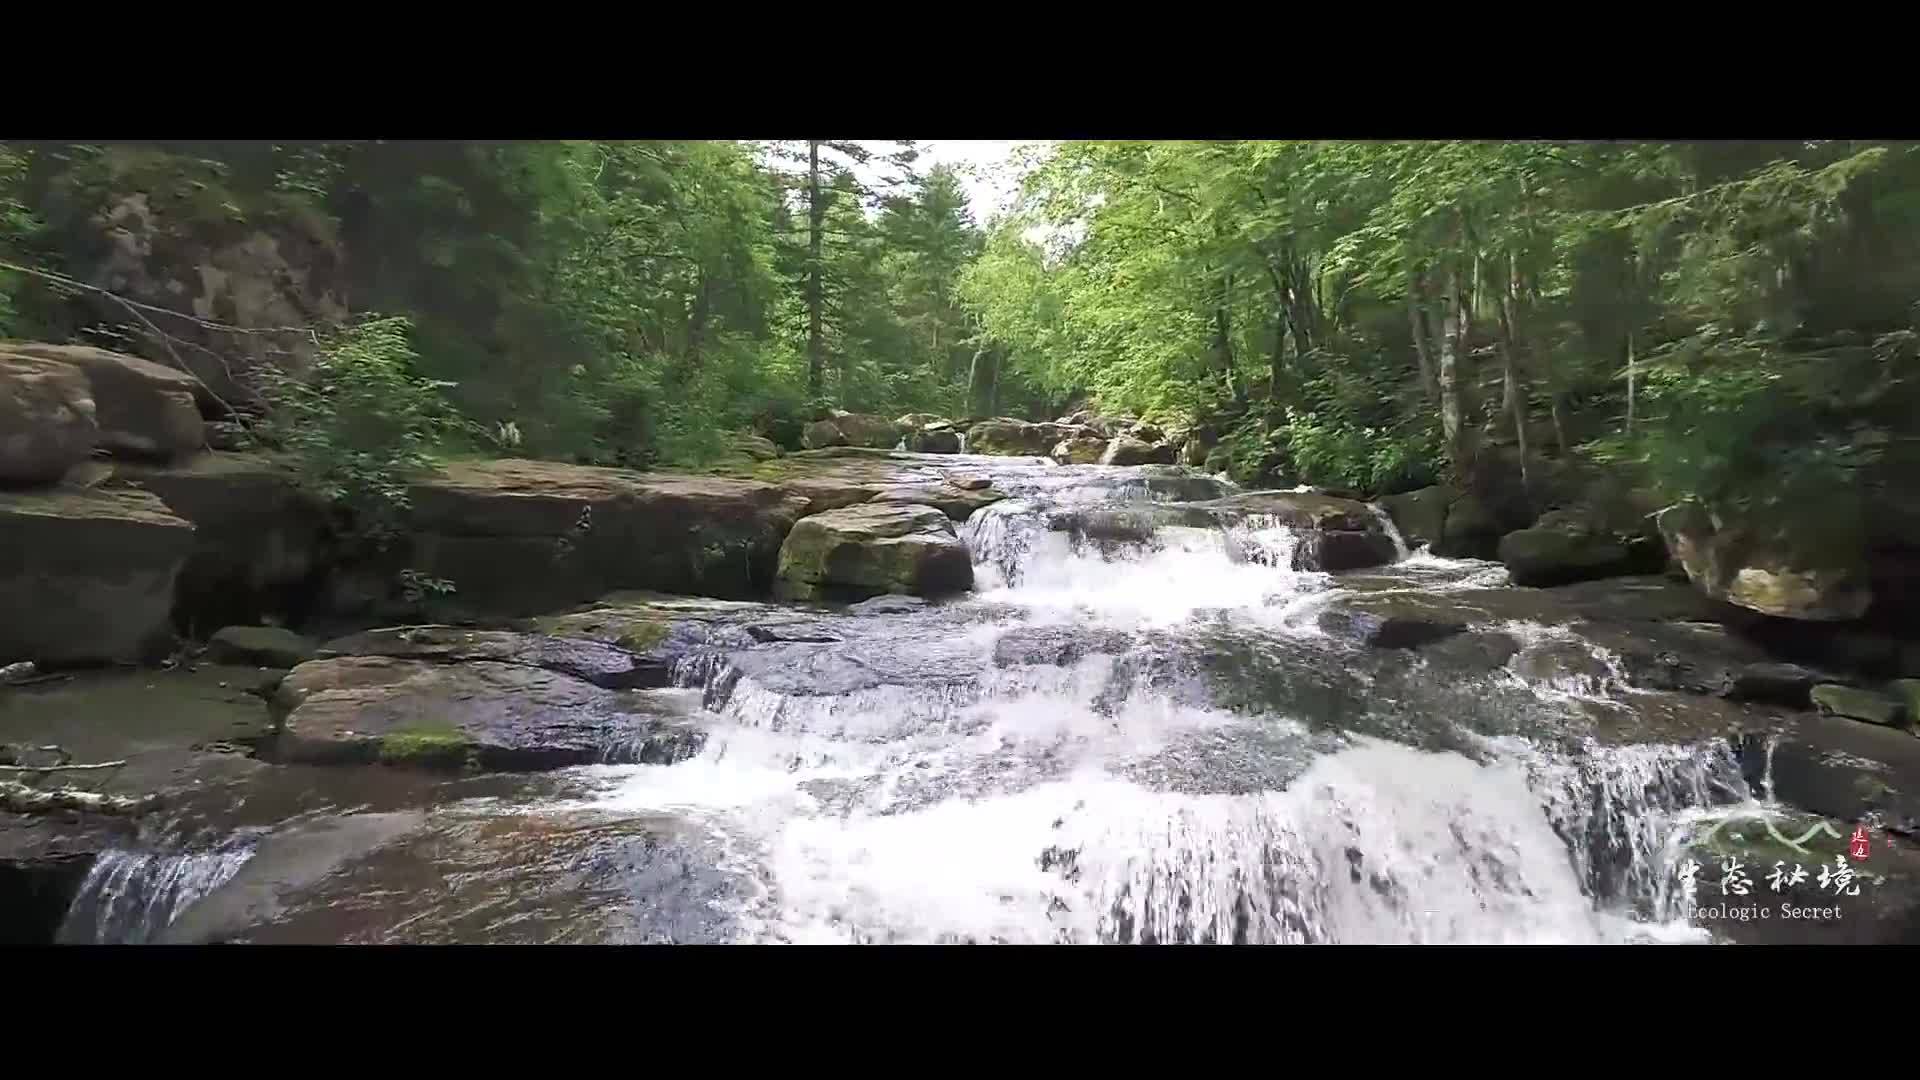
x=300 y=722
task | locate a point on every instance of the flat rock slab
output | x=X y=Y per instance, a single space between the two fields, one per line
x=602 y=664
x=477 y=714
x=87 y=575
x=956 y=502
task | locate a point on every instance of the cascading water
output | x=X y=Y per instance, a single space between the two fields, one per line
x=128 y=897
x=1050 y=760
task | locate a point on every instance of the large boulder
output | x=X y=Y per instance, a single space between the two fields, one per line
x=1131 y=450
x=524 y=537
x=1421 y=516
x=47 y=421
x=933 y=440
x=865 y=429
x=1079 y=450
x=1013 y=438
x=260 y=543
x=1729 y=564
x=143 y=410
x=862 y=551
x=821 y=434
x=1557 y=552
x=87 y=576
x=259 y=646
x=479 y=714
x=916 y=421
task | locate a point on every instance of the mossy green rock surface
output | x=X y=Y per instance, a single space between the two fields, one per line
x=863 y=551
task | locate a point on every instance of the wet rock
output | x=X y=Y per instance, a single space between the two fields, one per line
x=87 y=576
x=1392 y=622
x=1727 y=564
x=285 y=862
x=532 y=536
x=260 y=542
x=1559 y=553
x=47 y=421
x=956 y=502
x=1300 y=510
x=603 y=664
x=142 y=409
x=1421 y=516
x=1136 y=524
x=1333 y=552
x=1060 y=646
x=862 y=551
x=1475 y=524
x=1833 y=699
x=1562 y=663
x=888 y=605
x=1908 y=692
x=1482 y=651
x=1779 y=683
x=1079 y=450
x=1015 y=438
x=1841 y=769
x=765 y=634
x=970 y=483
x=478 y=714
x=1131 y=450
x=259 y=646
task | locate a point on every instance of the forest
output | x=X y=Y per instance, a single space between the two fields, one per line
x=1731 y=322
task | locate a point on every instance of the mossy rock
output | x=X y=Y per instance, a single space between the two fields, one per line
x=426 y=747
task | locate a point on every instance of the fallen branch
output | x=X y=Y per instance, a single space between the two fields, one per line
x=21 y=799
x=62 y=768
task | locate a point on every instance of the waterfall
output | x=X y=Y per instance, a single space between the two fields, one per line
x=128 y=897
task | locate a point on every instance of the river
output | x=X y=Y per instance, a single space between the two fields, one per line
x=1121 y=735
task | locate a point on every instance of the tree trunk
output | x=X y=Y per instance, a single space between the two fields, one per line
x=1512 y=386
x=1223 y=350
x=816 y=216
x=1417 y=320
x=1277 y=365
x=1632 y=375
x=1452 y=379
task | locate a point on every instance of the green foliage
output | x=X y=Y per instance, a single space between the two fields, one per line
x=363 y=423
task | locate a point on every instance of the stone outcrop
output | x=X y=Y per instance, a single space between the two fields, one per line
x=1012 y=438
x=1421 y=516
x=261 y=544
x=47 y=421
x=1556 y=551
x=1131 y=450
x=87 y=576
x=142 y=410
x=1079 y=450
x=851 y=429
x=1727 y=564
x=525 y=537
x=862 y=551
x=478 y=714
